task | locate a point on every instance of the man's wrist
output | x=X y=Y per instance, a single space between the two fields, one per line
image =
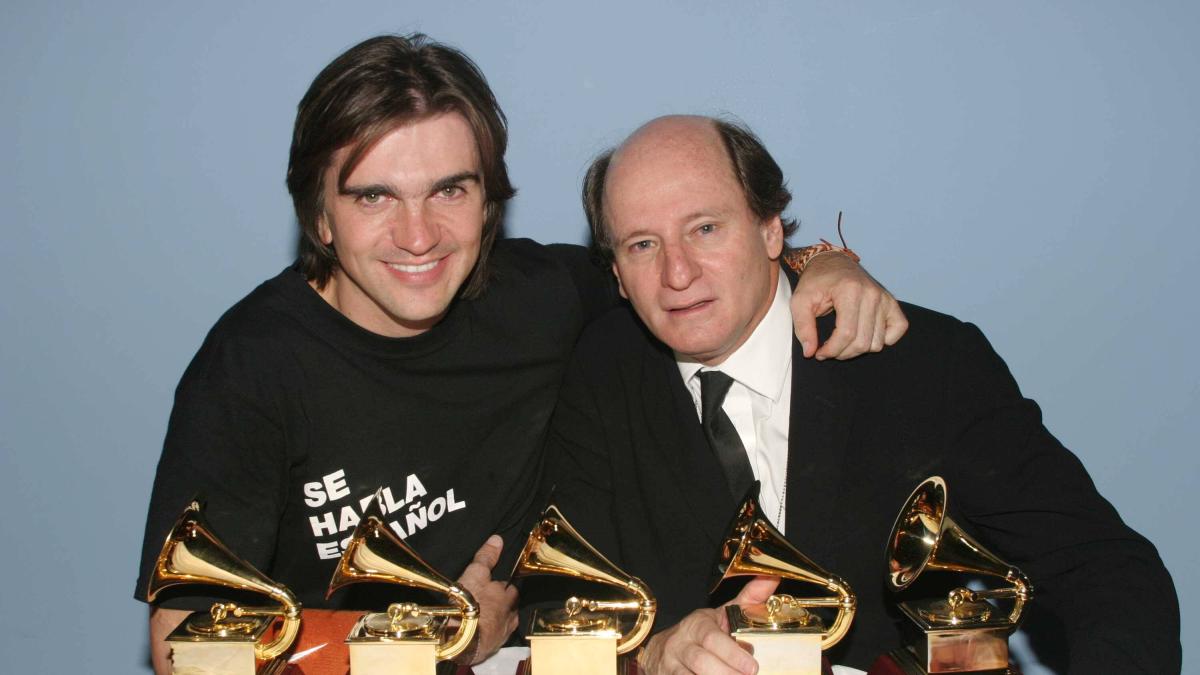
x=798 y=258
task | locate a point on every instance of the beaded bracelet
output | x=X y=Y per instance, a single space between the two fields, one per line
x=798 y=258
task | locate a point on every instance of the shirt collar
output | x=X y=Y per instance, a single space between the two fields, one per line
x=762 y=362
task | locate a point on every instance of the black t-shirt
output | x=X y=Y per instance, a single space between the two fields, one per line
x=291 y=416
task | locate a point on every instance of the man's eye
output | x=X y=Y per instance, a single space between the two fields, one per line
x=707 y=228
x=371 y=197
x=643 y=245
x=451 y=191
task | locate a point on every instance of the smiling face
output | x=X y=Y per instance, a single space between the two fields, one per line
x=695 y=261
x=406 y=226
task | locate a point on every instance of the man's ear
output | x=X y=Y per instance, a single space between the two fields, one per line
x=772 y=231
x=323 y=229
x=620 y=286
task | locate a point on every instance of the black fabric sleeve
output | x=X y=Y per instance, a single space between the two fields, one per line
x=578 y=471
x=1033 y=503
x=224 y=445
x=595 y=283
x=578 y=466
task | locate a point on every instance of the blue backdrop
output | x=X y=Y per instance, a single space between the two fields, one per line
x=1032 y=167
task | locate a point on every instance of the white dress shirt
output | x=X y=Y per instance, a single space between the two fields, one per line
x=760 y=400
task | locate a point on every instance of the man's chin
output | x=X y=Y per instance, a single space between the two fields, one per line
x=693 y=350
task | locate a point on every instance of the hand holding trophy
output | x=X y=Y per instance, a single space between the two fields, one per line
x=963 y=632
x=407 y=637
x=229 y=639
x=787 y=638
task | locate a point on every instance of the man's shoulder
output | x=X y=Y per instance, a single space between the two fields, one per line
x=256 y=332
x=936 y=346
x=527 y=254
x=558 y=276
x=924 y=325
x=930 y=321
x=260 y=313
x=932 y=330
x=617 y=335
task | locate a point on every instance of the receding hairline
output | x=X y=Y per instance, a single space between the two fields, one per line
x=677 y=126
x=672 y=129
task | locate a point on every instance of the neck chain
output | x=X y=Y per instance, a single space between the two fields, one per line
x=782 y=498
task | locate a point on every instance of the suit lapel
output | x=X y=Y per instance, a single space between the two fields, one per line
x=822 y=411
x=681 y=445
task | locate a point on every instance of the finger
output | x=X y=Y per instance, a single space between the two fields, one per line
x=715 y=657
x=897 y=323
x=846 y=307
x=867 y=306
x=806 y=332
x=880 y=329
x=479 y=570
x=806 y=307
x=756 y=591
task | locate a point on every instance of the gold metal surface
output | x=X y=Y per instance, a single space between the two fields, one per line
x=192 y=554
x=555 y=548
x=753 y=547
x=961 y=632
x=400 y=622
x=925 y=537
x=375 y=554
x=780 y=613
x=955 y=614
x=584 y=622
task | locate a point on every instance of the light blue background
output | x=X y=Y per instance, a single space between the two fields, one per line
x=1027 y=166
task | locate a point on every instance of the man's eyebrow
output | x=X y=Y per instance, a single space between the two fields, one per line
x=455 y=179
x=704 y=213
x=360 y=190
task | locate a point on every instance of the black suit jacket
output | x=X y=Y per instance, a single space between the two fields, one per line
x=636 y=477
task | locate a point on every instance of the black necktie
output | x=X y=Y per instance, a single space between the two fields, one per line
x=721 y=434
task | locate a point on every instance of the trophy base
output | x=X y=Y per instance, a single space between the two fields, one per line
x=903 y=662
x=785 y=643
x=577 y=654
x=977 y=647
x=403 y=651
x=626 y=665
x=393 y=658
x=785 y=654
x=199 y=648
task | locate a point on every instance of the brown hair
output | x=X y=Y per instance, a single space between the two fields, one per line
x=760 y=177
x=370 y=90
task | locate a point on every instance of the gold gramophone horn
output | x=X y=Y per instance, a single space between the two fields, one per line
x=555 y=548
x=376 y=554
x=192 y=554
x=926 y=538
x=755 y=547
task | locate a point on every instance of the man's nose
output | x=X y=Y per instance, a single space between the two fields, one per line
x=413 y=231
x=679 y=270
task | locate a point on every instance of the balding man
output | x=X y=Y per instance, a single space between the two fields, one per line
x=659 y=432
